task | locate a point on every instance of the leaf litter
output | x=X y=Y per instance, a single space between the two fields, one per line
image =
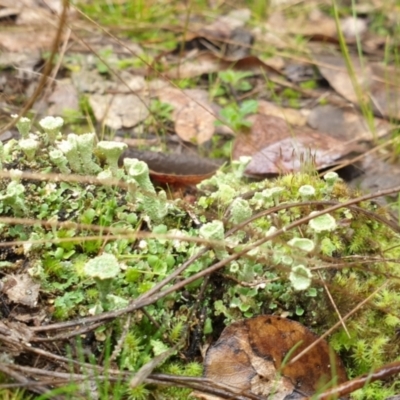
x=279 y=139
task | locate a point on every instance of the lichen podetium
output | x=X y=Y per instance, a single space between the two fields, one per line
x=112 y=210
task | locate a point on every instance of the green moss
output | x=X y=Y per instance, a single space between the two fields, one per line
x=354 y=257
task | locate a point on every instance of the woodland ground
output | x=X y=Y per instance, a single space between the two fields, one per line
x=188 y=87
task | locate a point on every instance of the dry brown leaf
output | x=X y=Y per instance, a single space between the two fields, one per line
x=265 y=130
x=346 y=124
x=378 y=84
x=193 y=114
x=293 y=153
x=333 y=69
x=310 y=24
x=26 y=41
x=63 y=98
x=120 y=110
x=205 y=63
x=290 y=115
x=249 y=356
x=14 y=336
x=21 y=289
x=276 y=147
x=176 y=169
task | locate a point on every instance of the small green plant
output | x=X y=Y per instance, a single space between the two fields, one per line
x=235 y=115
x=160 y=117
x=228 y=84
x=235 y=80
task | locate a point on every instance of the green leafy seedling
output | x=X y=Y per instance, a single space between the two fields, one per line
x=236 y=79
x=235 y=116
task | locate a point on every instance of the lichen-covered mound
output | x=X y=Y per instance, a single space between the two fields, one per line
x=90 y=237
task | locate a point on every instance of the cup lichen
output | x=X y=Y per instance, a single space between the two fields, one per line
x=103 y=270
x=112 y=152
x=354 y=256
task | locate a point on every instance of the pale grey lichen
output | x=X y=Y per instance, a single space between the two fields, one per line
x=105 y=176
x=69 y=149
x=103 y=270
x=139 y=171
x=240 y=211
x=23 y=126
x=29 y=146
x=330 y=178
x=323 y=223
x=155 y=206
x=213 y=230
x=267 y=197
x=111 y=151
x=85 y=146
x=59 y=160
x=16 y=174
x=14 y=197
x=239 y=166
x=306 y=192
x=302 y=243
x=8 y=149
x=52 y=127
x=79 y=151
x=225 y=193
x=116 y=302
x=300 y=277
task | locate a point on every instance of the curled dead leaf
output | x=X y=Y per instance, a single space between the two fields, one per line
x=193 y=114
x=276 y=147
x=21 y=289
x=175 y=169
x=254 y=355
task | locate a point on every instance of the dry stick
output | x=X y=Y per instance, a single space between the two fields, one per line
x=357 y=383
x=115 y=375
x=59 y=62
x=71 y=225
x=204 y=385
x=47 y=69
x=333 y=303
x=40 y=176
x=6 y=369
x=367 y=153
x=156 y=293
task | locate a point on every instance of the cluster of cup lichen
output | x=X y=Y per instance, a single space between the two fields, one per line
x=349 y=252
x=83 y=271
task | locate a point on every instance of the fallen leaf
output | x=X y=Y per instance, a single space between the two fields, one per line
x=346 y=124
x=14 y=336
x=120 y=110
x=333 y=69
x=176 y=169
x=250 y=356
x=291 y=154
x=21 y=289
x=63 y=98
x=290 y=115
x=265 y=130
x=225 y=36
x=276 y=147
x=193 y=114
x=377 y=83
x=206 y=63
